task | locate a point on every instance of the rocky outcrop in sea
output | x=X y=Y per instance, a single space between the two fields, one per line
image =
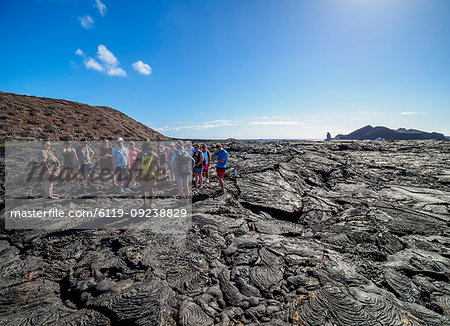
x=383 y=133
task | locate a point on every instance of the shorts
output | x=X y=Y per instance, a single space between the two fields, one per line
x=51 y=176
x=220 y=172
x=106 y=166
x=198 y=170
x=147 y=180
x=122 y=173
x=178 y=176
x=70 y=166
x=69 y=172
x=206 y=167
x=86 y=168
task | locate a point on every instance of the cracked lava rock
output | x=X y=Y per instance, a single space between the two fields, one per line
x=307 y=233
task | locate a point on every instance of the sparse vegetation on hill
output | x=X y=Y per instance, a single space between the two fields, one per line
x=29 y=117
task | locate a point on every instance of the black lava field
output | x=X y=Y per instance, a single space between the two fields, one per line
x=308 y=233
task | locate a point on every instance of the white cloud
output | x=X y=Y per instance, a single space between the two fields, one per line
x=80 y=53
x=215 y=125
x=106 y=56
x=101 y=7
x=410 y=113
x=86 y=21
x=218 y=121
x=142 y=68
x=204 y=125
x=116 y=72
x=274 y=123
x=93 y=64
x=106 y=62
x=74 y=65
x=368 y=113
x=264 y=117
x=110 y=62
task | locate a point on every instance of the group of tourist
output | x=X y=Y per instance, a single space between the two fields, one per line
x=128 y=166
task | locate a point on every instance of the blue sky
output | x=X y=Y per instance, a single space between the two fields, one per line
x=242 y=69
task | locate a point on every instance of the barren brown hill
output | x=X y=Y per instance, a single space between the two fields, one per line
x=29 y=117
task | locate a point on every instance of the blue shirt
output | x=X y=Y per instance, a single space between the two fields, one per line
x=121 y=155
x=222 y=155
x=205 y=154
x=84 y=154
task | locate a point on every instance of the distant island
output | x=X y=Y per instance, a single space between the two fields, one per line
x=379 y=132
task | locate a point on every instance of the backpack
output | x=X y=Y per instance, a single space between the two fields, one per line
x=183 y=163
x=147 y=165
x=199 y=156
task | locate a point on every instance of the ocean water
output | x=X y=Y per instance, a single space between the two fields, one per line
x=277 y=139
